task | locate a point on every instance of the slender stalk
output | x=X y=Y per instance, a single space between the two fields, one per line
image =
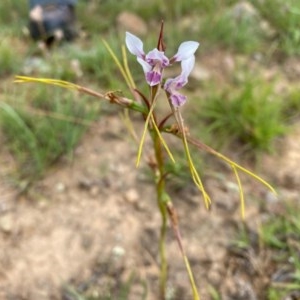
x=160 y=191
x=174 y=221
x=162 y=250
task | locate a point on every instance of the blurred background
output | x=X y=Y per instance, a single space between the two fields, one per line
x=243 y=100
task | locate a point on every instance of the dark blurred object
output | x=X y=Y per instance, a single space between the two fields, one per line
x=52 y=20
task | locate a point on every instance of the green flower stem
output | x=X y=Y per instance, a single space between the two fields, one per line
x=161 y=196
x=160 y=191
x=162 y=250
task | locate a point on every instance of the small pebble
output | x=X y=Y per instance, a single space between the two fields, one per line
x=132 y=196
x=6 y=224
x=118 y=251
x=60 y=187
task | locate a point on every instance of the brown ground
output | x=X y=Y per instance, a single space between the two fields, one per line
x=92 y=224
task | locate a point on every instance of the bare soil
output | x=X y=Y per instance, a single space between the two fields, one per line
x=96 y=221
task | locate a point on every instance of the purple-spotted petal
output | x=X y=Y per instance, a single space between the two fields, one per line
x=153 y=78
x=134 y=45
x=155 y=56
x=178 y=99
x=176 y=83
x=171 y=86
x=186 y=50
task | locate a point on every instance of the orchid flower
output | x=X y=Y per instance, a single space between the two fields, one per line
x=172 y=85
x=155 y=61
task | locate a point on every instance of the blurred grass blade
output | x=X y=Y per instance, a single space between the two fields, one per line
x=142 y=141
x=126 y=68
x=118 y=63
x=191 y=277
x=196 y=177
x=242 y=198
x=175 y=225
x=61 y=83
x=210 y=150
x=30 y=137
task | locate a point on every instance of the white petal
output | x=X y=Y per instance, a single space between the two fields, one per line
x=186 y=50
x=134 y=45
x=187 y=66
x=144 y=64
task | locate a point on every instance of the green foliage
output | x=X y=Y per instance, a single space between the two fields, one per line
x=291 y=105
x=179 y=173
x=243 y=241
x=284 y=17
x=238 y=34
x=11 y=56
x=281 y=234
x=95 y=18
x=274 y=294
x=47 y=129
x=212 y=21
x=278 y=231
x=60 y=65
x=277 y=239
x=13 y=13
x=214 y=293
x=97 y=64
x=250 y=116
